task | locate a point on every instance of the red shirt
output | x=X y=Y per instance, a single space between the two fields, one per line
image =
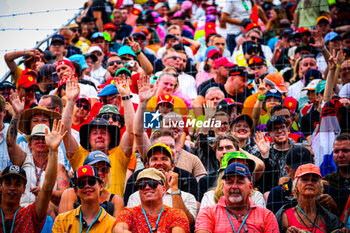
x=26 y=221
x=170 y=218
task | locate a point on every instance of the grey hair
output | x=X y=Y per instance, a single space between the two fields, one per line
x=213 y=89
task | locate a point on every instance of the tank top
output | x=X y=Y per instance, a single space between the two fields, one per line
x=292 y=221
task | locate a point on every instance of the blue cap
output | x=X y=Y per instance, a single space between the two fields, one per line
x=248 y=46
x=80 y=59
x=311 y=75
x=110 y=89
x=125 y=50
x=237 y=169
x=273 y=93
x=331 y=36
x=95 y=157
x=7 y=84
x=207 y=51
x=210 y=18
x=97 y=34
x=273 y=120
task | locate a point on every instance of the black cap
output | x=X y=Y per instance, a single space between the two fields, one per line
x=245 y=22
x=87 y=19
x=14 y=170
x=240 y=71
x=7 y=84
x=227 y=104
x=273 y=120
x=244 y=117
x=49 y=71
x=170 y=36
x=57 y=39
x=298 y=156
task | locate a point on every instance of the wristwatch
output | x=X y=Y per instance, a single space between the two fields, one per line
x=177 y=192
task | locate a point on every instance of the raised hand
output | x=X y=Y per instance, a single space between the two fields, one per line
x=146 y=92
x=319 y=41
x=133 y=44
x=54 y=138
x=340 y=58
x=72 y=89
x=262 y=143
x=123 y=85
x=331 y=61
x=17 y=104
x=262 y=87
x=209 y=109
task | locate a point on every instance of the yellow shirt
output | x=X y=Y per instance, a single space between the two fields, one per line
x=179 y=106
x=104 y=223
x=119 y=165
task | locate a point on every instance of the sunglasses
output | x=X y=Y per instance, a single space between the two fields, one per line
x=111 y=63
x=151 y=183
x=103 y=169
x=82 y=183
x=85 y=107
x=254 y=38
x=114 y=117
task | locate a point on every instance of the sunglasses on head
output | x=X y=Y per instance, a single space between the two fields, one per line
x=151 y=183
x=111 y=63
x=114 y=117
x=82 y=183
x=85 y=107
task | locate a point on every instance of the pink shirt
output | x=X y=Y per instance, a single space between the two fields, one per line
x=214 y=219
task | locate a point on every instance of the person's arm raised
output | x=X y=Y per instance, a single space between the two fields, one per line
x=127 y=141
x=72 y=92
x=144 y=62
x=146 y=92
x=53 y=141
x=12 y=56
x=259 y=103
x=17 y=155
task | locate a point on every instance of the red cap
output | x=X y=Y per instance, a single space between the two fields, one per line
x=291 y=104
x=307 y=169
x=303 y=29
x=165 y=98
x=65 y=62
x=28 y=78
x=62 y=81
x=250 y=26
x=109 y=81
x=212 y=52
x=223 y=61
x=84 y=97
x=209 y=28
x=277 y=81
x=84 y=171
x=109 y=26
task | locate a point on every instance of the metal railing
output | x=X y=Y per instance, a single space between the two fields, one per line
x=40 y=43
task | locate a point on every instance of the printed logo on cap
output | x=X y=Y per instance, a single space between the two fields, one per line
x=100 y=155
x=14 y=168
x=84 y=170
x=30 y=78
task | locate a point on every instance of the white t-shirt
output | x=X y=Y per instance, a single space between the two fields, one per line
x=295 y=90
x=236 y=10
x=99 y=74
x=187 y=85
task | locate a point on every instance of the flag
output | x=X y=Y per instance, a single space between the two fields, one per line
x=323 y=138
x=254 y=15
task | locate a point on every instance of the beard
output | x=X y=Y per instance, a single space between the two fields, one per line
x=234 y=198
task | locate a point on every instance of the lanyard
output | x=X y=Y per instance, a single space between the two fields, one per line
x=80 y=222
x=13 y=220
x=310 y=219
x=38 y=175
x=228 y=215
x=149 y=225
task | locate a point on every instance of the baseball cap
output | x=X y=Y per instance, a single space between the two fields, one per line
x=211 y=51
x=159 y=147
x=223 y=61
x=7 y=84
x=291 y=103
x=256 y=60
x=151 y=173
x=298 y=156
x=276 y=81
x=38 y=130
x=49 y=71
x=84 y=97
x=238 y=169
x=245 y=22
x=303 y=30
x=122 y=71
x=86 y=171
x=240 y=71
x=27 y=78
x=331 y=36
x=110 y=89
x=125 y=50
x=142 y=29
x=273 y=93
x=139 y=34
x=236 y=155
x=244 y=117
x=57 y=39
x=95 y=157
x=80 y=59
x=65 y=62
x=210 y=18
x=108 y=108
x=169 y=37
x=322 y=18
x=250 y=47
x=345 y=91
x=178 y=15
x=250 y=26
x=273 y=120
x=307 y=169
x=165 y=99
x=186 y=5
x=311 y=75
x=14 y=170
x=228 y=102
x=94 y=48
x=159 y=5
x=312 y=85
x=320 y=86
x=211 y=10
x=97 y=35
x=109 y=26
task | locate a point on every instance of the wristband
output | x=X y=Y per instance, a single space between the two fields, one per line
x=138 y=52
x=338 y=66
x=323 y=49
x=261 y=98
x=127 y=97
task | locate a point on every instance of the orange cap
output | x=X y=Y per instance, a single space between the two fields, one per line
x=308 y=168
x=277 y=81
x=142 y=29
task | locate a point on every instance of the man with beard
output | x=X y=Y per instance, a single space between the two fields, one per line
x=236 y=210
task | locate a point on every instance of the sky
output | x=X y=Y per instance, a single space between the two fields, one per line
x=15 y=23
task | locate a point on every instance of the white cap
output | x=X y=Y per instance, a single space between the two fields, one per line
x=312 y=85
x=345 y=91
x=94 y=48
